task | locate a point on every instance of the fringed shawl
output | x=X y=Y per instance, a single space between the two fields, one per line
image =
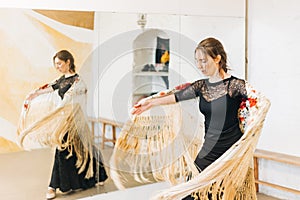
x=229 y=177
x=46 y=119
x=160 y=142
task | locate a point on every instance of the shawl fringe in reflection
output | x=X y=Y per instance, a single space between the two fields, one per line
x=46 y=119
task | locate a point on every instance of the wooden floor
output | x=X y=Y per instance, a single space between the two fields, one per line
x=25 y=176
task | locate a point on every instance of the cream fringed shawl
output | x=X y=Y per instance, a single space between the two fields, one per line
x=229 y=177
x=46 y=119
x=160 y=142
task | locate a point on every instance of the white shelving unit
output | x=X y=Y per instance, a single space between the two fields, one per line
x=149 y=76
x=148 y=83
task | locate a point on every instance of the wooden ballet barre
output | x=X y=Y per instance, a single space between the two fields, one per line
x=105 y=122
x=276 y=157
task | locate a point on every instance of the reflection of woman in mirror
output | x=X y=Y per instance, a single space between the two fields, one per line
x=75 y=165
x=220 y=96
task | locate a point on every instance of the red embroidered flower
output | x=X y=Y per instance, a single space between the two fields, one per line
x=26 y=106
x=243 y=104
x=252 y=102
x=182 y=86
x=162 y=93
x=43 y=87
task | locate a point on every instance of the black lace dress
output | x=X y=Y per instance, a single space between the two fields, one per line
x=219 y=103
x=64 y=173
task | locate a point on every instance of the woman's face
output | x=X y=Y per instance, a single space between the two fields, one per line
x=61 y=65
x=206 y=64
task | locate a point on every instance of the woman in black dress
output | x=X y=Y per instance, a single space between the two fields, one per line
x=220 y=97
x=65 y=175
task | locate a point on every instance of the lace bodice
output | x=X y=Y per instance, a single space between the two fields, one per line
x=232 y=86
x=63 y=84
x=219 y=102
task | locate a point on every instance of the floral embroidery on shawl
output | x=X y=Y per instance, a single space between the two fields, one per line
x=246 y=106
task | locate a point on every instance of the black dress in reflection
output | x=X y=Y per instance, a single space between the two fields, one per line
x=65 y=173
x=219 y=103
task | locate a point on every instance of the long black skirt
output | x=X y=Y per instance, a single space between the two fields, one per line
x=212 y=149
x=65 y=174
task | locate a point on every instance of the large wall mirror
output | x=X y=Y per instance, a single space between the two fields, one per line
x=121 y=56
x=132 y=47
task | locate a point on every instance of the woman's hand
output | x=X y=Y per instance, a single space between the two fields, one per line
x=141 y=106
x=149 y=102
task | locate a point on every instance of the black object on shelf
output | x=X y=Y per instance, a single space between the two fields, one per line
x=148 y=68
x=165 y=68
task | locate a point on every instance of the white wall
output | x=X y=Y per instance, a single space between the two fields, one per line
x=190 y=7
x=274 y=69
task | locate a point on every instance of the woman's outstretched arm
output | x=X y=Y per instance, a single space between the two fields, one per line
x=38 y=92
x=147 y=103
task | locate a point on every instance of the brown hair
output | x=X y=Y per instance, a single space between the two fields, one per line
x=213 y=48
x=66 y=55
